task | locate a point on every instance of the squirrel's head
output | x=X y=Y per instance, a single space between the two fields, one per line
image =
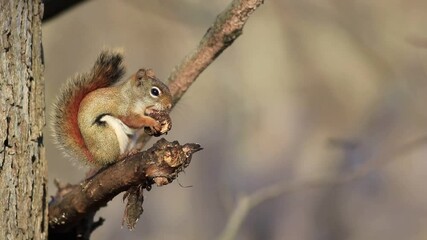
x=155 y=94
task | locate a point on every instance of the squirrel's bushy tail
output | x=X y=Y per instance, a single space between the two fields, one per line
x=108 y=70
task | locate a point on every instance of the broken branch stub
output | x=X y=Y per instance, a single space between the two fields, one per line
x=170 y=158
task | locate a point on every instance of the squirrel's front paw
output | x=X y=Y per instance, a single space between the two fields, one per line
x=164 y=123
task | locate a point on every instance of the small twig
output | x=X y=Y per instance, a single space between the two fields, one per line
x=97 y=224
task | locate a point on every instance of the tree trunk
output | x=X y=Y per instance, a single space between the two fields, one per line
x=23 y=210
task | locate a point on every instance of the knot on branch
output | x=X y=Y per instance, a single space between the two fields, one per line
x=168 y=159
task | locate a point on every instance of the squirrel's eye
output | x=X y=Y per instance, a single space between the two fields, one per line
x=155 y=92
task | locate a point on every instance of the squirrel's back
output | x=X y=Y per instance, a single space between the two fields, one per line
x=108 y=70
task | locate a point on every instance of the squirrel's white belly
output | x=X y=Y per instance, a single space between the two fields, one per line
x=124 y=133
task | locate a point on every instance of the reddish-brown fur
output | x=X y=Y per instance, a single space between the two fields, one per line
x=71 y=119
x=107 y=70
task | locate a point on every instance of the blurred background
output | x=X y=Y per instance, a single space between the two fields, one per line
x=313 y=91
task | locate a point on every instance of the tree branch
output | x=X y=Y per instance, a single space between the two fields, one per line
x=227 y=27
x=160 y=165
x=53 y=8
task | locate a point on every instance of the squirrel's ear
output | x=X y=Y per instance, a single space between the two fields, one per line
x=143 y=75
x=139 y=77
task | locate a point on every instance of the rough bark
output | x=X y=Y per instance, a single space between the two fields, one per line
x=22 y=157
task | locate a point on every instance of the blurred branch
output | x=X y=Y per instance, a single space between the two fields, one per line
x=52 y=8
x=247 y=202
x=160 y=165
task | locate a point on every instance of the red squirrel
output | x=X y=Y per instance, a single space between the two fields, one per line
x=96 y=116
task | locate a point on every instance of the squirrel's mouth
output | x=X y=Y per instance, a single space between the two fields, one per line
x=156 y=108
x=150 y=109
